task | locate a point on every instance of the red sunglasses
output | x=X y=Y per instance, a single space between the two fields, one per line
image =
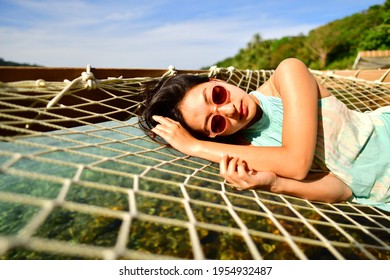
x=219 y=96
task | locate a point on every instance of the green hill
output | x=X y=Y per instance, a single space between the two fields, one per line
x=11 y=63
x=331 y=46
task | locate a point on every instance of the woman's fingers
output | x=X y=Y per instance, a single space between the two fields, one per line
x=232 y=167
x=242 y=169
x=164 y=127
x=164 y=121
x=223 y=164
x=229 y=169
x=237 y=173
x=174 y=133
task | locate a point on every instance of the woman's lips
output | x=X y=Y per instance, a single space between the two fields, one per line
x=243 y=111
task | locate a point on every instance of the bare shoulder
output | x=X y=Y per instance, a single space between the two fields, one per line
x=290 y=68
x=293 y=70
x=289 y=65
x=268 y=88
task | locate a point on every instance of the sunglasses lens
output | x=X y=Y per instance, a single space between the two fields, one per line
x=218 y=124
x=219 y=95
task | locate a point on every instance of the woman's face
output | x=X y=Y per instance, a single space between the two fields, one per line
x=218 y=108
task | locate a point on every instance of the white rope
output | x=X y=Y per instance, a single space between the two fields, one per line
x=89 y=79
x=171 y=72
x=381 y=79
x=89 y=82
x=331 y=74
x=214 y=71
x=62 y=93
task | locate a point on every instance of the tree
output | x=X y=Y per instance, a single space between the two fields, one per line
x=334 y=45
x=378 y=38
x=321 y=42
x=288 y=47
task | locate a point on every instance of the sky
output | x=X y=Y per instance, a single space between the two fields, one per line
x=187 y=34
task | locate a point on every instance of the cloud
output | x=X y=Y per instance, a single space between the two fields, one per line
x=187 y=45
x=154 y=34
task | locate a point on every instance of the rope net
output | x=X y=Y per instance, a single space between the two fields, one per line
x=80 y=180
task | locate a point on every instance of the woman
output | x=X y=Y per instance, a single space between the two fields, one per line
x=293 y=126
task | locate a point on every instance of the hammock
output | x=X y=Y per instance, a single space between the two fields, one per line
x=80 y=180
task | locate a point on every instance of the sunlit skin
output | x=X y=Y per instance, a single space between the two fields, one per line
x=283 y=169
x=240 y=108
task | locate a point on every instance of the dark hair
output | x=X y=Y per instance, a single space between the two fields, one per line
x=164 y=99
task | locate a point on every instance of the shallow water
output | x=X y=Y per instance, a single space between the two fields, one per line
x=82 y=192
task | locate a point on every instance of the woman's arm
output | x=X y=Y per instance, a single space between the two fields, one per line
x=322 y=186
x=299 y=92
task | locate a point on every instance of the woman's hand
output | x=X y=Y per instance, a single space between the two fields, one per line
x=236 y=172
x=175 y=134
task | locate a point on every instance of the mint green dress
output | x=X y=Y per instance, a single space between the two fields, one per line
x=352 y=145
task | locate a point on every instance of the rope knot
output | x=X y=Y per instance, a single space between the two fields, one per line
x=231 y=70
x=171 y=72
x=89 y=79
x=40 y=83
x=214 y=71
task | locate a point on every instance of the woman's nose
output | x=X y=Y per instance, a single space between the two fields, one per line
x=226 y=109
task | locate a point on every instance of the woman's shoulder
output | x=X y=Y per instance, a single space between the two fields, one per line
x=292 y=68
x=268 y=88
x=285 y=67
